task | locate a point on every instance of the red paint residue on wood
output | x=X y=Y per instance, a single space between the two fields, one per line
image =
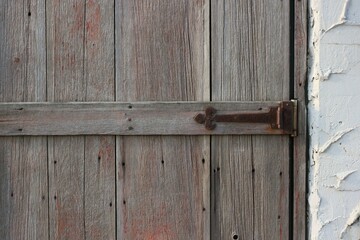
x=296 y=211
x=94 y=231
x=139 y=226
x=106 y=152
x=79 y=18
x=92 y=25
x=160 y=233
x=65 y=223
x=282 y=206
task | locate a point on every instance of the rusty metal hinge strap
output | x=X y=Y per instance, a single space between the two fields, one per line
x=283 y=116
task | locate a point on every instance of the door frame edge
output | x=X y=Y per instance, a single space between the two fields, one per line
x=300 y=146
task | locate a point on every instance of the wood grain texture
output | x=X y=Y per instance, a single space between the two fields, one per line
x=300 y=142
x=66 y=82
x=162 y=182
x=23 y=160
x=82 y=169
x=100 y=205
x=99 y=164
x=250 y=61
x=145 y=118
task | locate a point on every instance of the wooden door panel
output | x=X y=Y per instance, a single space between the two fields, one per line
x=136 y=73
x=23 y=160
x=80 y=67
x=250 y=62
x=99 y=159
x=163 y=188
x=65 y=59
x=162 y=182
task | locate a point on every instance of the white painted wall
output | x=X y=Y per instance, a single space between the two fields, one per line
x=334 y=119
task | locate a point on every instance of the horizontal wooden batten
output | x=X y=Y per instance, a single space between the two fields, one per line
x=114 y=118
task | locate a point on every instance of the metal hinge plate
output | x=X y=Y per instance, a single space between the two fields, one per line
x=282 y=117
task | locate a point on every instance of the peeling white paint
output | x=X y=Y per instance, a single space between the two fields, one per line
x=334 y=139
x=334 y=119
x=342 y=176
x=354 y=219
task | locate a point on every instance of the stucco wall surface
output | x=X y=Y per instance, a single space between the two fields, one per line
x=334 y=119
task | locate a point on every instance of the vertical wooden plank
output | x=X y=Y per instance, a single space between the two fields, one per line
x=23 y=160
x=66 y=82
x=300 y=142
x=250 y=61
x=162 y=182
x=99 y=151
x=232 y=200
x=66 y=184
x=82 y=169
x=100 y=187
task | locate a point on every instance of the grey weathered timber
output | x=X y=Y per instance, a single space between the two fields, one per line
x=99 y=162
x=23 y=166
x=100 y=205
x=300 y=144
x=250 y=61
x=143 y=118
x=162 y=182
x=66 y=82
x=75 y=73
x=81 y=169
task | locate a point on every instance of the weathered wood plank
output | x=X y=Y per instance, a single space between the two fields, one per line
x=300 y=143
x=65 y=60
x=162 y=182
x=23 y=166
x=250 y=61
x=232 y=202
x=100 y=207
x=24 y=189
x=165 y=118
x=99 y=164
x=163 y=190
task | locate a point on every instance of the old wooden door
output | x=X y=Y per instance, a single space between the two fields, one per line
x=116 y=153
